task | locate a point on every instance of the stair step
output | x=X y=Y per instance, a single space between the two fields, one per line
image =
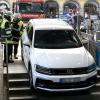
x=96 y=88
x=23 y=98
x=18 y=80
x=98 y=84
x=20 y=88
x=17 y=75
x=18 y=83
x=95 y=93
x=98 y=70
x=20 y=91
x=98 y=76
x=98 y=79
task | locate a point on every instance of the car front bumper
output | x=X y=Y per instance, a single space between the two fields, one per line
x=54 y=83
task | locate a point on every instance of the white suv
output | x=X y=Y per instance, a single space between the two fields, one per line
x=55 y=57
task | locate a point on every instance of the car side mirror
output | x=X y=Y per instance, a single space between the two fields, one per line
x=26 y=43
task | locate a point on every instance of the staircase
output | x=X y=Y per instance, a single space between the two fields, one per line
x=19 y=88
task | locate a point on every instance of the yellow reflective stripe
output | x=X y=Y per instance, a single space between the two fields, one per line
x=11 y=42
x=14 y=42
x=8 y=42
x=8 y=32
x=3 y=23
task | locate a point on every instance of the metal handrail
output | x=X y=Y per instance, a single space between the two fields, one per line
x=6 y=45
x=7 y=69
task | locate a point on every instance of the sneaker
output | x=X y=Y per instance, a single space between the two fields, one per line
x=10 y=61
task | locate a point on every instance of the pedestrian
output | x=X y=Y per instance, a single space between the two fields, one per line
x=17 y=31
x=6 y=33
x=90 y=28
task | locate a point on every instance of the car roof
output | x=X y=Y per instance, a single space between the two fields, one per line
x=50 y=24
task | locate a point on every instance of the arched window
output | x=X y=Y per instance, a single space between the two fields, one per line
x=51 y=8
x=90 y=8
x=71 y=5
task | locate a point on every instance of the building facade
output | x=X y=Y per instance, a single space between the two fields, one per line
x=91 y=7
x=59 y=6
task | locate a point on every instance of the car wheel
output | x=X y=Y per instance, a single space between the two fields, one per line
x=30 y=78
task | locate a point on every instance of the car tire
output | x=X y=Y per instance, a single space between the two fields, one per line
x=30 y=77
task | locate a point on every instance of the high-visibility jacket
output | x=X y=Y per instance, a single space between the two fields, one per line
x=17 y=31
x=6 y=30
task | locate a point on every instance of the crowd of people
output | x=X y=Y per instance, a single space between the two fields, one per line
x=11 y=29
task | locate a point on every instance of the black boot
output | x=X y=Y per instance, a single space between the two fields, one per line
x=10 y=61
x=4 y=64
x=15 y=57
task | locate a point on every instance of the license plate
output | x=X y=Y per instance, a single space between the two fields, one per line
x=70 y=80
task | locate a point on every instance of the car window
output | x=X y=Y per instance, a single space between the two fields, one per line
x=56 y=39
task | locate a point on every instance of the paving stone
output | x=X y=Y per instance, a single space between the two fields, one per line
x=1 y=97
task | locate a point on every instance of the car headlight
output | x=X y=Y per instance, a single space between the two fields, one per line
x=91 y=68
x=43 y=70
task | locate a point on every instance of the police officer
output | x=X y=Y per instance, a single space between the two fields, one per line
x=17 y=31
x=6 y=32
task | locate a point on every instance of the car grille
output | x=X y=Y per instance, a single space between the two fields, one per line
x=69 y=71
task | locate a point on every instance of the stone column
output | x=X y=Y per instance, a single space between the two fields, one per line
x=82 y=11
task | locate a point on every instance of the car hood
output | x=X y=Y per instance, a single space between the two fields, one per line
x=63 y=58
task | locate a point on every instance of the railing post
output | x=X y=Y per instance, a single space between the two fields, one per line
x=1 y=73
x=7 y=69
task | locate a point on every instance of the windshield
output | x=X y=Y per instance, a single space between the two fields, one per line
x=30 y=7
x=56 y=39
